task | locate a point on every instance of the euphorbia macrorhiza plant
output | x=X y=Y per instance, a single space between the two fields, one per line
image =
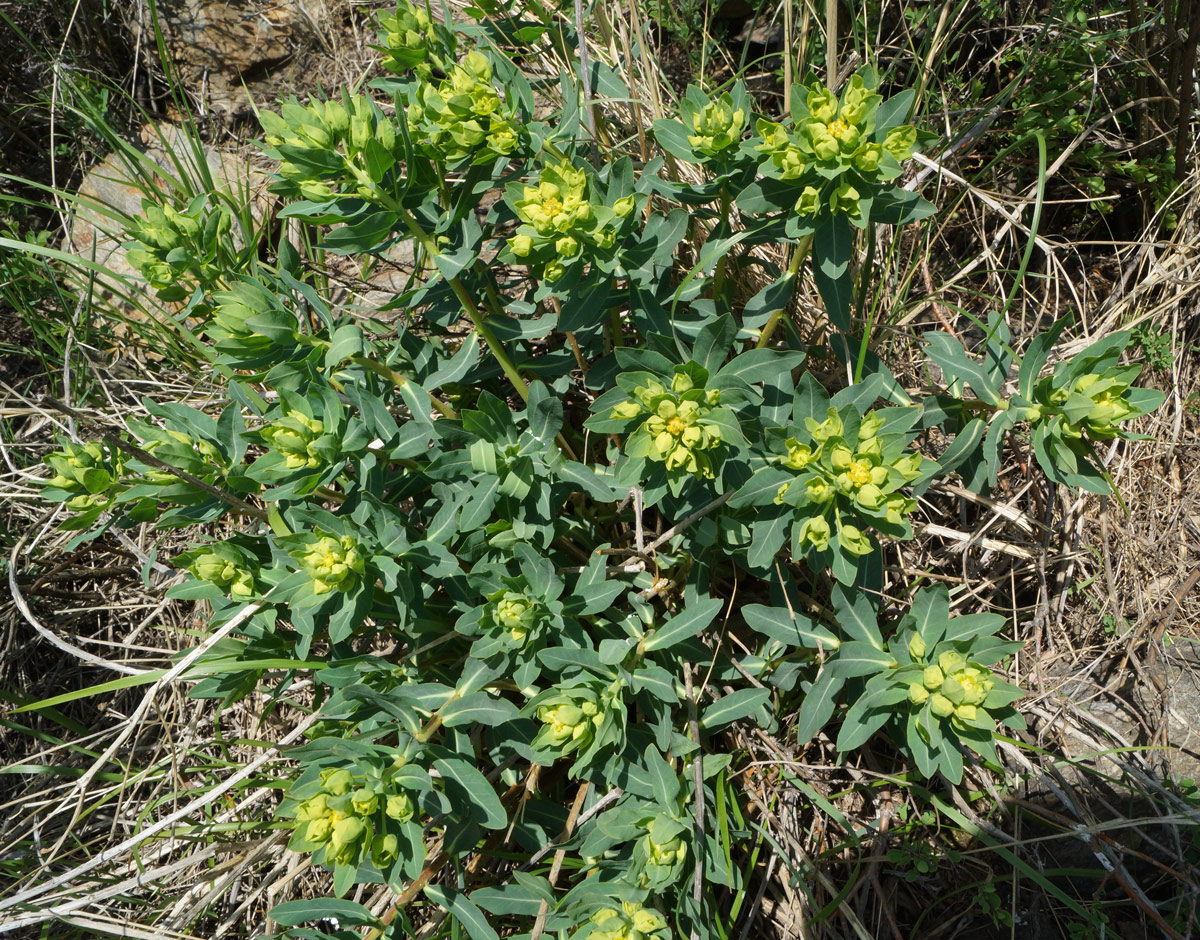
x=538 y=493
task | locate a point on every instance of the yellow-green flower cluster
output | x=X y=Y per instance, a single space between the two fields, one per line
x=330 y=148
x=1098 y=404
x=675 y=432
x=86 y=476
x=717 y=127
x=463 y=116
x=347 y=817
x=294 y=436
x=192 y=446
x=232 y=308
x=513 y=615
x=631 y=922
x=585 y=718
x=954 y=687
x=659 y=862
x=170 y=245
x=840 y=479
x=570 y=724
x=560 y=221
x=558 y=202
x=225 y=566
x=834 y=138
x=413 y=41
x=334 y=563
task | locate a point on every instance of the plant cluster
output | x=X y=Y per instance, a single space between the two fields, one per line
x=539 y=491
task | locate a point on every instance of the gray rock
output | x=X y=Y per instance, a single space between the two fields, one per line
x=115 y=187
x=219 y=46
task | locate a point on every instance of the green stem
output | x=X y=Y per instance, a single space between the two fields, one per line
x=400 y=380
x=975 y=404
x=464 y=298
x=614 y=319
x=864 y=280
x=798 y=257
x=719 y=274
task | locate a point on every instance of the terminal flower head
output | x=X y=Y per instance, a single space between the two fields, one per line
x=514 y=614
x=293 y=436
x=225 y=566
x=333 y=562
x=558 y=202
x=631 y=922
x=717 y=126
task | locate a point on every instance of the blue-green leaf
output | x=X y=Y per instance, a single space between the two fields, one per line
x=733 y=706
x=347 y=913
x=463 y=910
x=468 y=788
x=684 y=625
x=477 y=708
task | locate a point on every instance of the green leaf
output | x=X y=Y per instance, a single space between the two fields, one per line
x=837 y=295
x=957 y=365
x=347 y=913
x=452 y=263
x=463 y=910
x=893 y=112
x=613 y=651
x=868 y=715
x=761 y=489
x=663 y=780
x=378 y=159
x=775 y=296
x=964 y=445
x=817 y=707
x=459 y=365
x=538 y=571
x=733 y=706
x=478 y=708
x=586 y=480
x=684 y=625
x=770 y=532
x=672 y=136
x=856 y=616
x=657 y=681
x=545 y=413
x=810 y=400
x=1036 y=356
x=468 y=788
x=929 y=612
x=478 y=509
x=900 y=207
x=767 y=195
x=764 y=365
x=712 y=343
x=360 y=236
x=857 y=658
x=833 y=246
x=786 y=627
x=511 y=899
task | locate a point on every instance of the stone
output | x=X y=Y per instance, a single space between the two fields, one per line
x=117 y=185
x=220 y=46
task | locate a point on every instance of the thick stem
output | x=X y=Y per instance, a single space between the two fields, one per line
x=460 y=291
x=614 y=320
x=719 y=274
x=798 y=257
x=399 y=380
